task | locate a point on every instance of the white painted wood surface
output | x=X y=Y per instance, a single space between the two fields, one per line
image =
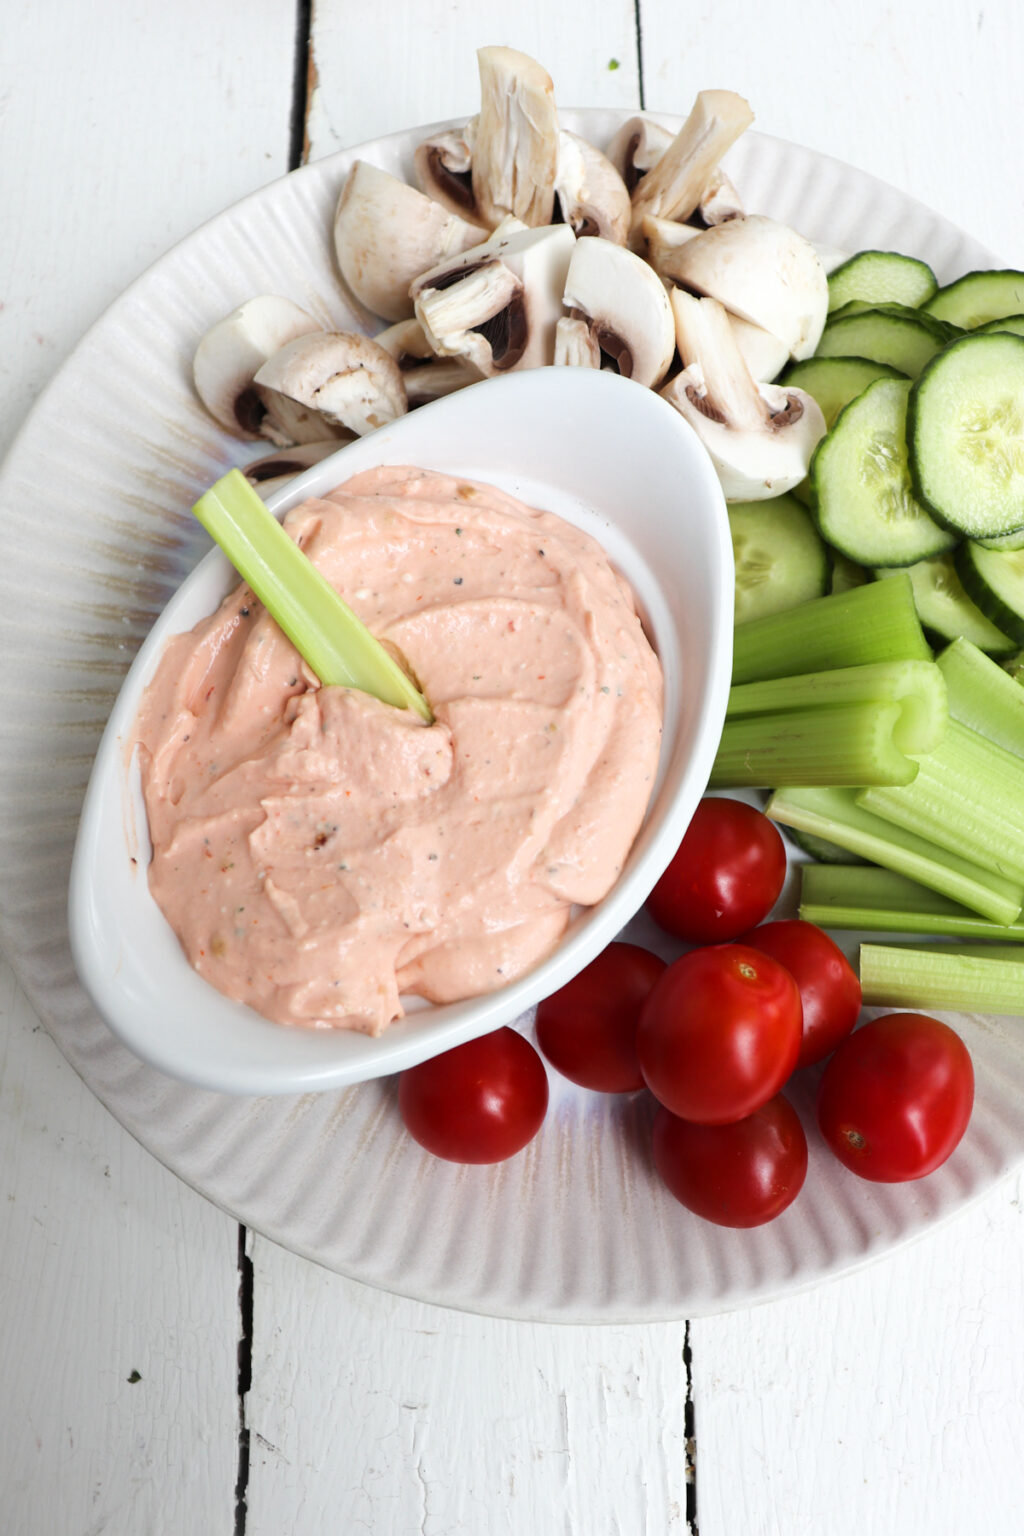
x=886 y=1401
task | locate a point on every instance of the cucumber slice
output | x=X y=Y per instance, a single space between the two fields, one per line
x=780 y=558
x=834 y=381
x=864 y=503
x=1012 y=323
x=965 y=435
x=880 y=277
x=978 y=298
x=945 y=608
x=905 y=339
x=994 y=578
x=846 y=573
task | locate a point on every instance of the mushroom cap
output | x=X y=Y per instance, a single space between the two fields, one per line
x=752 y=465
x=762 y=271
x=327 y=385
x=660 y=237
x=272 y=470
x=232 y=351
x=636 y=147
x=591 y=194
x=515 y=149
x=443 y=166
x=497 y=304
x=673 y=188
x=764 y=354
x=386 y=233
x=720 y=201
x=626 y=307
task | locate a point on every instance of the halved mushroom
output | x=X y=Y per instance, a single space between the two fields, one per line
x=624 y=304
x=760 y=436
x=230 y=354
x=762 y=271
x=764 y=354
x=515 y=149
x=660 y=238
x=386 y=233
x=444 y=170
x=329 y=385
x=497 y=305
x=425 y=375
x=591 y=194
x=673 y=188
x=637 y=147
x=720 y=201
x=273 y=470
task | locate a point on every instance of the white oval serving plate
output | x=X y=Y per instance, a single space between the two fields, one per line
x=598 y=451
x=94 y=498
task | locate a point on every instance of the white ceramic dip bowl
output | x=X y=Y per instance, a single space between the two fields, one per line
x=597 y=450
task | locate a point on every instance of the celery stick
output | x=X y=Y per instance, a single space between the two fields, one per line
x=882 y=901
x=918 y=686
x=968 y=797
x=835 y=815
x=970 y=978
x=877 y=622
x=850 y=744
x=983 y=695
x=333 y=642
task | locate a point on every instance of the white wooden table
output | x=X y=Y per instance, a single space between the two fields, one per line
x=159 y=1373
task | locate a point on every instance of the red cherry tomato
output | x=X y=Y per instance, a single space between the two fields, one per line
x=896 y=1097
x=587 y=1029
x=725 y=877
x=720 y=1033
x=738 y=1175
x=829 y=986
x=479 y=1103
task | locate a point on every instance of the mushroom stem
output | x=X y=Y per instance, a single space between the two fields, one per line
x=675 y=185
x=704 y=336
x=447 y=313
x=515 y=152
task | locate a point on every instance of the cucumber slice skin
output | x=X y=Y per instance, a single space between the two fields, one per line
x=905 y=341
x=978 y=297
x=881 y=277
x=869 y=435
x=945 y=482
x=779 y=556
x=1012 y=323
x=834 y=381
x=946 y=611
x=994 y=579
x=821 y=850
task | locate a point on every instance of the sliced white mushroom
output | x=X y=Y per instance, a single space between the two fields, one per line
x=497 y=305
x=764 y=354
x=719 y=201
x=425 y=375
x=637 y=147
x=386 y=233
x=405 y=341
x=444 y=170
x=591 y=194
x=273 y=470
x=232 y=351
x=673 y=188
x=575 y=346
x=760 y=436
x=762 y=271
x=515 y=149
x=329 y=385
x=624 y=303
x=659 y=238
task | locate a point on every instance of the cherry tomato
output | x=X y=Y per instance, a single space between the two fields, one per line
x=479 y=1103
x=738 y=1175
x=725 y=877
x=829 y=986
x=896 y=1097
x=587 y=1029
x=720 y=1033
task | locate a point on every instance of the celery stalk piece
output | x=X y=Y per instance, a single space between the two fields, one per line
x=332 y=641
x=968 y=797
x=970 y=978
x=882 y=901
x=983 y=695
x=834 y=814
x=877 y=622
x=918 y=686
x=848 y=744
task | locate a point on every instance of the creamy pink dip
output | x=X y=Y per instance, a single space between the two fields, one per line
x=319 y=853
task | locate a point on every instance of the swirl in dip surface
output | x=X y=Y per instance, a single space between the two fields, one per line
x=320 y=853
